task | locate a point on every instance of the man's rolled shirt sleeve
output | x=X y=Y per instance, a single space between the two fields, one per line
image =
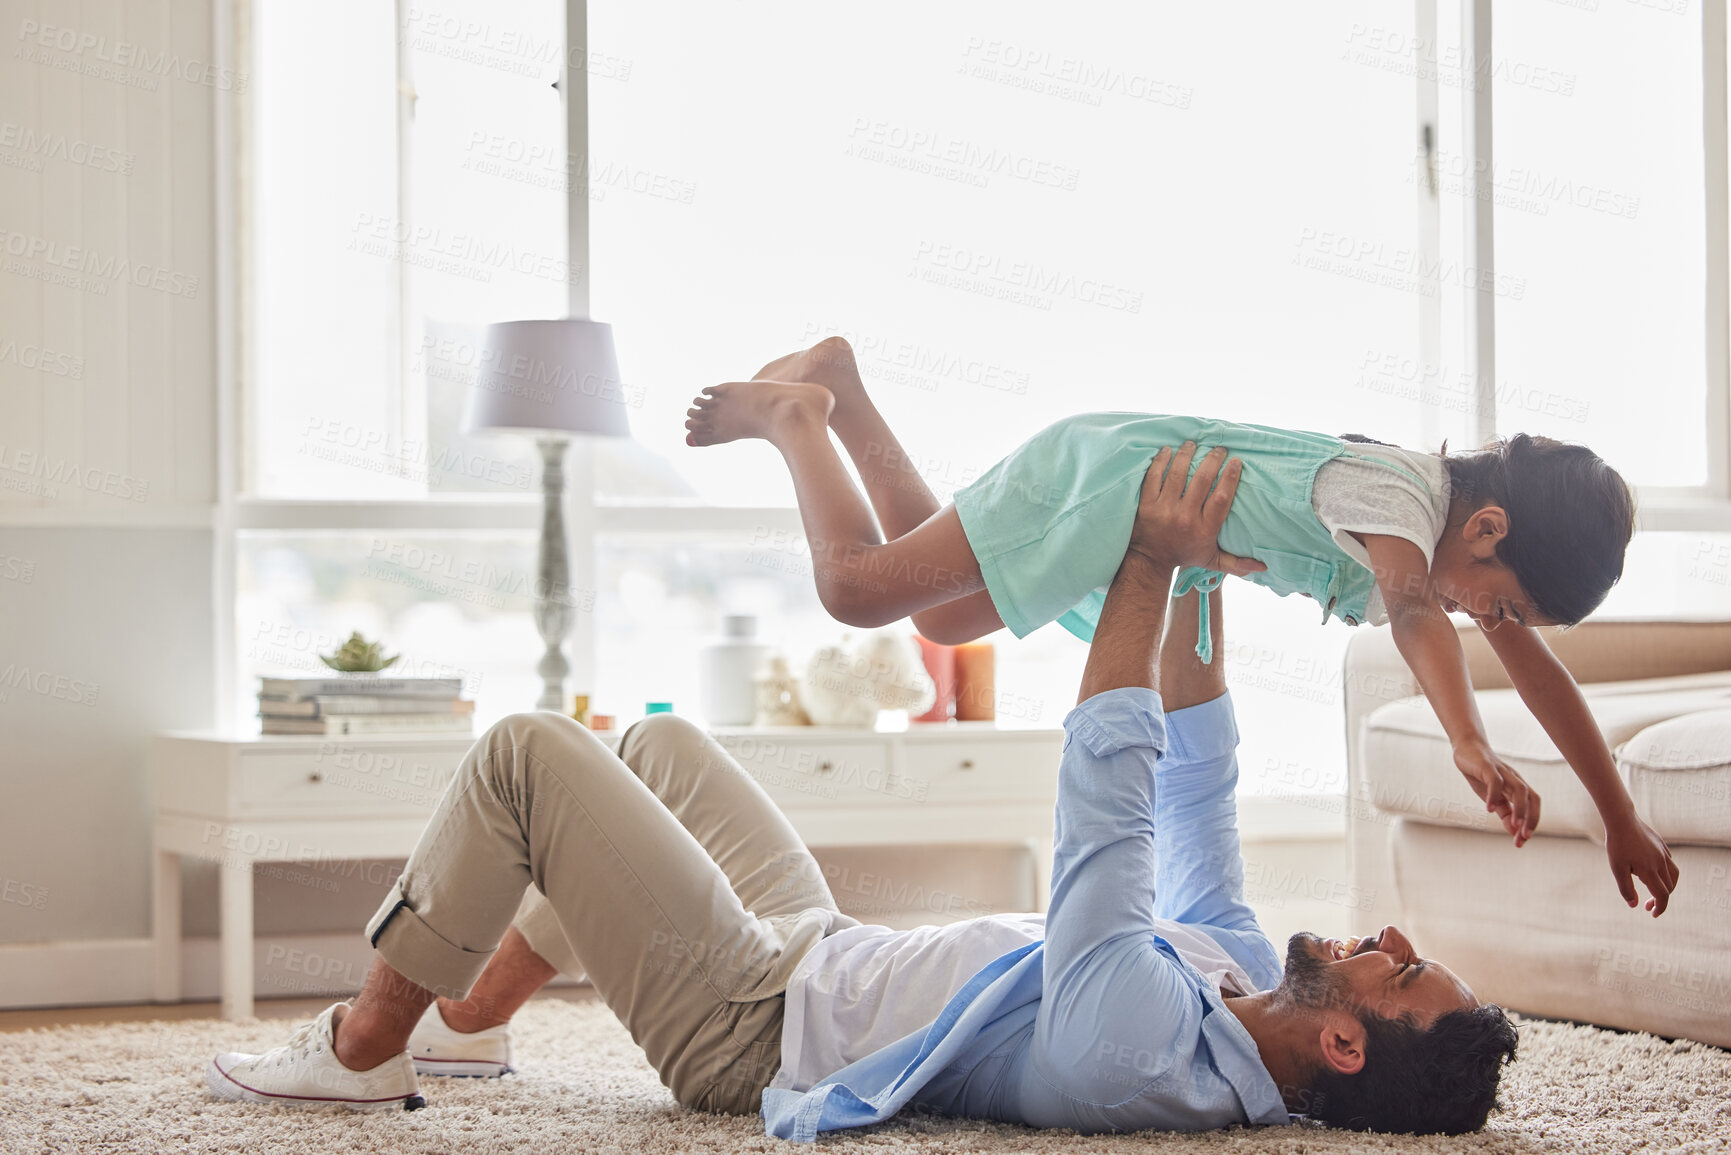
x=1200 y=862
x=1108 y=983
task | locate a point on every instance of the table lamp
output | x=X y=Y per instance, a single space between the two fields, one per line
x=552 y=380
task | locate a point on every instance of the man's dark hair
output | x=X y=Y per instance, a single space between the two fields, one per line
x=1426 y=1082
x=1570 y=518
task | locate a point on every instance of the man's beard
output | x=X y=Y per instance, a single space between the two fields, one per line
x=1306 y=981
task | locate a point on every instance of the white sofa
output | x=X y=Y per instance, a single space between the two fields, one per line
x=1542 y=929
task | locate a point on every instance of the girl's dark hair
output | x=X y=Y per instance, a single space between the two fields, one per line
x=1570 y=518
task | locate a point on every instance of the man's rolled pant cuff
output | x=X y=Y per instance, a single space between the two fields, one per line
x=420 y=954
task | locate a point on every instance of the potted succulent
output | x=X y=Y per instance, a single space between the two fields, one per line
x=359 y=656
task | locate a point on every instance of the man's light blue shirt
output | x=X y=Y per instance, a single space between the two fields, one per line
x=1101 y=1027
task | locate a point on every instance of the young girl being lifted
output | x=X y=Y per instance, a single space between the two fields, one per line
x=1528 y=532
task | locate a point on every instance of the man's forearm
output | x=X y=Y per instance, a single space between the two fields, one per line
x=1127 y=637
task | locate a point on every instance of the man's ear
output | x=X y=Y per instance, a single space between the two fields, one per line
x=1342 y=1044
x=1485 y=527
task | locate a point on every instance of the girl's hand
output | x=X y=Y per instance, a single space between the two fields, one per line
x=1635 y=848
x=1504 y=792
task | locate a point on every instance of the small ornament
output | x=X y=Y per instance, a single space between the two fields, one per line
x=848 y=683
x=359 y=656
x=778 y=696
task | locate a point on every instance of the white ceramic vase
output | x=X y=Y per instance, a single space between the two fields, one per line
x=727 y=673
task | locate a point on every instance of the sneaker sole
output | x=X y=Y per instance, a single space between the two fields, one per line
x=224 y=1087
x=463 y=1068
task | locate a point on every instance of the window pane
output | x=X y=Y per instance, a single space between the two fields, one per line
x=661 y=601
x=1016 y=215
x=1021 y=213
x=453 y=605
x=324 y=400
x=371 y=299
x=487 y=187
x=1684 y=576
x=1600 y=222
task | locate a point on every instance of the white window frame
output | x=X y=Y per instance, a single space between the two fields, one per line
x=239 y=510
x=1700 y=508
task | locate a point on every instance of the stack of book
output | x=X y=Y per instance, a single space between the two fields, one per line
x=364 y=704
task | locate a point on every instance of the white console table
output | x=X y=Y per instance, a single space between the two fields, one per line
x=244 y=800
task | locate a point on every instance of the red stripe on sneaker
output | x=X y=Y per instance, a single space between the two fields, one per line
x=304 y=1098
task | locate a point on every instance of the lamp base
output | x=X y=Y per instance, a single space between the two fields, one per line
x=555 y=611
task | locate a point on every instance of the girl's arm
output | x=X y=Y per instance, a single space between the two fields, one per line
x=1432 y=649
x=1549 y=691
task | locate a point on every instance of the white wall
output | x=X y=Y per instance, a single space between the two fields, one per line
x=108 y=444
x=130 y=392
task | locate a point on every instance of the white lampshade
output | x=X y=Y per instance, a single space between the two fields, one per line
x=536 y=376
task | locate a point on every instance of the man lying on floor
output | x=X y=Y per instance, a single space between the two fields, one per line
x=669 y=878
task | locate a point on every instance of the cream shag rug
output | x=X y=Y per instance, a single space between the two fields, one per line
x=583 y=1086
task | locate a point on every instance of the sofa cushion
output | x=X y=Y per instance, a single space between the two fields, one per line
x=1679 y=773
x=1408 y=765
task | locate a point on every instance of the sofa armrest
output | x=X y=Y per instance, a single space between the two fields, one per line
x=1611 y=650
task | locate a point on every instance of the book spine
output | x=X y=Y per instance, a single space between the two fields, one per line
x=385 y=724
x=314 y=687
x=335 y=704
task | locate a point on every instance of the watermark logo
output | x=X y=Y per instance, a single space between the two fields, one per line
x=1456 y=390
x=29 y=895
x=42 y=475
x=1074 y=79
x=934 y=153
x=916 y=365
x=26 y=147
x=18 y=678
x=470 y=256
x=1405 y=53
x=1016 y=282
x=1376 y=262
x=90 y=271
x=545 y=165
x=122 y=62
x=376 y=451
x=1522 y=188
x=447 y=576
x=502 y=48
x=29 y=355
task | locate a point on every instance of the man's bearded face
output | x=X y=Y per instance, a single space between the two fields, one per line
x=1307 y=981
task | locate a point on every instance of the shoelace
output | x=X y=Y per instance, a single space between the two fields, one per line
x=299 y=1043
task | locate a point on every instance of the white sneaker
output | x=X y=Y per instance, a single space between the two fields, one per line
x=438 y=1050
x=305 y=1072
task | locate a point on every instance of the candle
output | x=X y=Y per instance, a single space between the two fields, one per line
x=941 y=665
x=976 y=683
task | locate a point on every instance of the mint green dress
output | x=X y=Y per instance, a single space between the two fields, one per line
x=1050 y=523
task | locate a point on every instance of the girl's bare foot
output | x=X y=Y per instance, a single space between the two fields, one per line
x=829 y=363
x=771 y=410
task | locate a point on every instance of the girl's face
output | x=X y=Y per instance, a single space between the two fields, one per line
x=1467 y=577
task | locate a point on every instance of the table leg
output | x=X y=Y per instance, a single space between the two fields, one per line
x=236 y=915
x=165 y=927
